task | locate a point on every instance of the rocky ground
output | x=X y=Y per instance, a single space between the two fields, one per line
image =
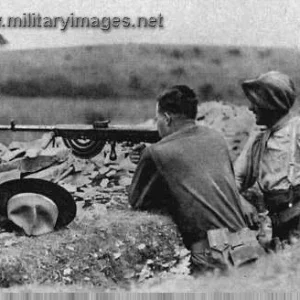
x=108 y=246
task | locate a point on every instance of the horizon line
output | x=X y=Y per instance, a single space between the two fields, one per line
x=225 y=45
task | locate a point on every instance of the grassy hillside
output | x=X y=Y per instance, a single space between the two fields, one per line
x=139 y=71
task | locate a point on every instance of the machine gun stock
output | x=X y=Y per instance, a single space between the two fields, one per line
x=87 y=140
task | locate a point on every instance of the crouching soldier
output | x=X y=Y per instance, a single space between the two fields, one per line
x=189 y=174
x=271 y=158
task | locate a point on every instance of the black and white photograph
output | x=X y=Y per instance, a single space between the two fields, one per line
x=150 y=147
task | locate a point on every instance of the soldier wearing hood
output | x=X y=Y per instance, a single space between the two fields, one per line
x=271 y=158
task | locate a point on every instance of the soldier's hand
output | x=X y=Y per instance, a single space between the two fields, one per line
x=136 y=153
x=250 y=213
x=265 y=232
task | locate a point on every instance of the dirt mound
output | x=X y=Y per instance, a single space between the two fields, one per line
x=101 y=248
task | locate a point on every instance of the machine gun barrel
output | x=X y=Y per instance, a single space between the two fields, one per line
x=87 y=140
x=41 y=128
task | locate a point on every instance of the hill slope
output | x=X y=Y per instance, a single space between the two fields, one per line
x=139 y=71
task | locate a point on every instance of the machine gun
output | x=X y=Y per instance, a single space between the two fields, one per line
x=87 y=141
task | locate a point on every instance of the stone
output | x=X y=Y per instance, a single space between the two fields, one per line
x=3 y=150
x=104 y=183
x=10 y=155
x=45 y=159
x=69 y=187
x=104 y=170
x=125 y=181
x=111 y=173
x=67 y=272
x=77 y=180
x=52 y=173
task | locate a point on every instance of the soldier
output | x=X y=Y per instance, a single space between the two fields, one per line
x=271 y=157
x=189 y=174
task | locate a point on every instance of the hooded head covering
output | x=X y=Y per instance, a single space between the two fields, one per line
x=273 y=91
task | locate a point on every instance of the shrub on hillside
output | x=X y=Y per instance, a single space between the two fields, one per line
x=135 y=82
x=216 y=61
x=100 y=90
x=176 y=53
x=45 y=86
x=28 y=88
x=54 y=86
x=264 y=53
x=234 y=52
x=197 y=51
x=88 y=48
x=169 y=52
x=161 y=50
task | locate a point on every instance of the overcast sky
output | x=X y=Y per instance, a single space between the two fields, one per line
x=235 y=22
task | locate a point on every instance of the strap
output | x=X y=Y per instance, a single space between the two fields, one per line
x=255 y=153
x=263 y=144
x=293 y=145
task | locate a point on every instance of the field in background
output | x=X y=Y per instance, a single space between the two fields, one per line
x=139 y=71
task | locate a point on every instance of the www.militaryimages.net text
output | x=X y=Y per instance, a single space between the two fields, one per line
x=106 y=23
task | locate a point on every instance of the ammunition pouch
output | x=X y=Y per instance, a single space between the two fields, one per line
x=235 y=249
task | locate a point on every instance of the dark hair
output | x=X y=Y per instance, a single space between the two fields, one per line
x=179 y=100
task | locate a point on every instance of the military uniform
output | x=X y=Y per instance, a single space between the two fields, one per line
x=272 y=157
x=189 y=173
